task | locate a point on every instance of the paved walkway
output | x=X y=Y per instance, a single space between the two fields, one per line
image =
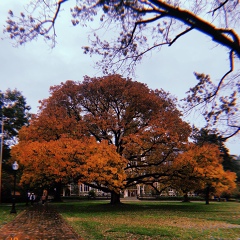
x=38 y=222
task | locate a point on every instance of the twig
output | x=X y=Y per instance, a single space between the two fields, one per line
x=181 y=34
x=139 y=23
x=231 y=58
x=234 y=133
x=221 y=5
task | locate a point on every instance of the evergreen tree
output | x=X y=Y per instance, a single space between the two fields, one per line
x=14 y=113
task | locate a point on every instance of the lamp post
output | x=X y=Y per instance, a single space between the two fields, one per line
x=15 y=168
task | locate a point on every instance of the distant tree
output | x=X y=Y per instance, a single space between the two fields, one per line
x=206 y=136
x=143 y=125
x=144 y=26
x=237 y=159
x=14 y=113
x=200 y=168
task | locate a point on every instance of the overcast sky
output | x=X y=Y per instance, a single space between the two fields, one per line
x=33 y=68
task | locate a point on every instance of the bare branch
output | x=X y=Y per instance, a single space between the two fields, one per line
x=46 y=3
x=200 y=24
x=139 y=23
x=181 y=34
x=231 y=135
x=220 y=6
x=60 y=2
x=208 y=98
x=231 y=60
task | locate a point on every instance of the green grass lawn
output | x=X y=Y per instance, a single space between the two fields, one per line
x=153 y=220
x=146 y=219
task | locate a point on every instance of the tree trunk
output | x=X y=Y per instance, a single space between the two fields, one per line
x=115 y=198
x=186 y=198
x=57 y=192
x=207 y=194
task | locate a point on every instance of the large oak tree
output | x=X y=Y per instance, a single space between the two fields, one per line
x=143 y=125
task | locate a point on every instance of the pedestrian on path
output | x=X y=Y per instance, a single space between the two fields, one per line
x=28 y=197
x=32 y=198
x=44 y=196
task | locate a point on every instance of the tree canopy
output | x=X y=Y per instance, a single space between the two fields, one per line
x=206 y=136
x=143 y=125
x=139 y=27
x=200 y=167
x=67 y=160
x=14 y=113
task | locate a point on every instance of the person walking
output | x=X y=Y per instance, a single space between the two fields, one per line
x=32 y=198
x=28 y=197
x=44 y=196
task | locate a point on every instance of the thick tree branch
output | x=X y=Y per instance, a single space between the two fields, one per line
x=200 y=24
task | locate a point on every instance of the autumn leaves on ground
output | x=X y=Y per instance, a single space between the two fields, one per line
x=153 y=220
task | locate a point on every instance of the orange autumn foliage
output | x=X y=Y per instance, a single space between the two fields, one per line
x=64 y=159
x=200 y=166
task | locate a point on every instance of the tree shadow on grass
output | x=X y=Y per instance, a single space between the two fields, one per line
x=88 y=207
